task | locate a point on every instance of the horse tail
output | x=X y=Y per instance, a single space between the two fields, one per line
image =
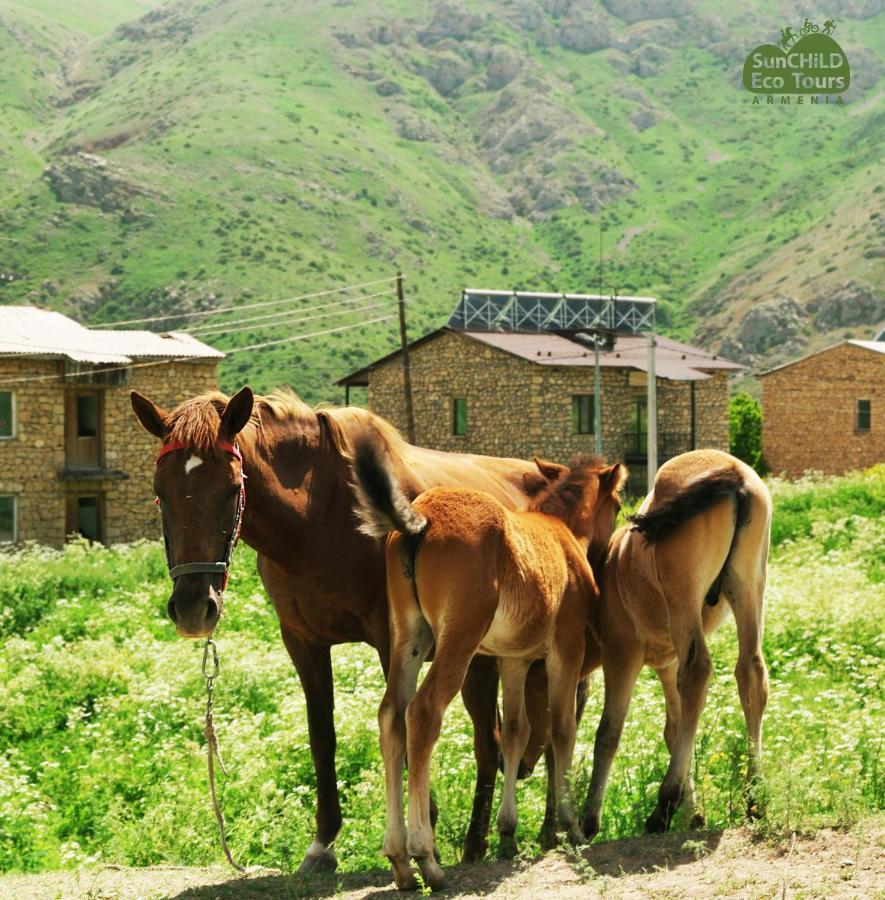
x=697 y=497
x=381 y=503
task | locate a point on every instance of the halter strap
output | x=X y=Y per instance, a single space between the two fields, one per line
x=222 y=566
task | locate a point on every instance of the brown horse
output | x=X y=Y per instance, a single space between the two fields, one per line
x=701 y=534
x=324 y=578
x=467 y=576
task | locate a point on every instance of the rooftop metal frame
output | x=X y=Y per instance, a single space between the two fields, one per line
x=527 y=311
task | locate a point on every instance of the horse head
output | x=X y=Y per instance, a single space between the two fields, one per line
x=200 y=489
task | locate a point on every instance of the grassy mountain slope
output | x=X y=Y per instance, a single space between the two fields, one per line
x=240 y=151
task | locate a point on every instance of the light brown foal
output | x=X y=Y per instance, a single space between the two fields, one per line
x=469 y=576
x=701 y=534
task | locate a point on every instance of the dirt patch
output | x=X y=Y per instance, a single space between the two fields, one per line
x=702 y=864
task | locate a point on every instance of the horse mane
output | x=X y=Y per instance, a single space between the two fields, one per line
x=197 y=422
x=561 y=497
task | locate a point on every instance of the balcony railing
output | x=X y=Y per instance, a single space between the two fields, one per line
x=670 y=443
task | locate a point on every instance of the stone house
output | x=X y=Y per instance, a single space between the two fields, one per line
x=524 y=394
x=73 y=459
x=825 y=411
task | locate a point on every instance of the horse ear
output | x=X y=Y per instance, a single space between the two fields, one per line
x=152 y=418
x=550 y=470
x=237 y=413
x=613 y=478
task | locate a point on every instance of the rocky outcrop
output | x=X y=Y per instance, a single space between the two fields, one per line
x=450 y=20
x=851 y=304
x=636 y=10
x=88 y=180
x=503 y=67
x=584 y=30
x=766 y=325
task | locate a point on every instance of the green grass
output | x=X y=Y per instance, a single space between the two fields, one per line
x=102 y=755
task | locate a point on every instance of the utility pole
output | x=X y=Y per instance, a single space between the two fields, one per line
x=597 y=398
x=404 y=347
x=651 y=413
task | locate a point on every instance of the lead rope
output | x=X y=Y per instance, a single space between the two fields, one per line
x=212 y=750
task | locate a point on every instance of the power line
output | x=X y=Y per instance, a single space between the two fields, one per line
x=222 y=309
x=335 y=312
x=203 y=329
x=230 y=352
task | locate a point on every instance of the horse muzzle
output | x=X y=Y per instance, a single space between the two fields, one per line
x=195 y=606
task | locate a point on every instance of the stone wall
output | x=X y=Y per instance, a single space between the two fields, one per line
x=809 y=407
x=518 y=408
x=31 y=463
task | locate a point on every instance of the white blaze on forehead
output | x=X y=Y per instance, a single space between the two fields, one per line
x=192 y=462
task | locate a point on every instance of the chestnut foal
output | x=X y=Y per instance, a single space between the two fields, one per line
x=700 y=535
x=469 y=576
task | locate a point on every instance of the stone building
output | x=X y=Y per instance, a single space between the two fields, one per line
x=73 y=459
x=825 y=411
x=523 y=394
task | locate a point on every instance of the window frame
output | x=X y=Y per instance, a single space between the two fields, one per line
x=15 y=511
x=455 y=431
x=576 y=414
x=858 y=428
x=12 y=416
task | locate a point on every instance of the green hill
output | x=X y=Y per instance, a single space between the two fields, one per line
x=162 y=158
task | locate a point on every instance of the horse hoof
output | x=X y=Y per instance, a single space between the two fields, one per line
x=576 y=836
x=405 y=882
x=547 y=837
x=431 y=874
x=590 y=826
x=506 y=846
x=697 y=822
x=474 y=852
x=656 y=824
x=319 y=864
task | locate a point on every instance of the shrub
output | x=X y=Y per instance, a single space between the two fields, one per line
x=745 y=430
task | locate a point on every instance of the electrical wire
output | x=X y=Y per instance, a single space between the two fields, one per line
x=222 y=309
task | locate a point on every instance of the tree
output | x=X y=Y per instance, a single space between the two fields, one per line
x=745 y=430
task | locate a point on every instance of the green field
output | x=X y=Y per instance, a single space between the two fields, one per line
x=102 y=755
x=260 y=149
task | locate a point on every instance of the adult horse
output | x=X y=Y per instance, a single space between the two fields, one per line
x=325 y=579
x=700 y=535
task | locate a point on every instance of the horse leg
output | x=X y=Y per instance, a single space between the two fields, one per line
x=692 y=677
x=480 y=696
x=667 y=677
x=514 y=737
x=412 y=642
x=621 y=664
x=314 y=666
x=563 y=675
x=547 y=834
x=752 y=679
x=423 y=723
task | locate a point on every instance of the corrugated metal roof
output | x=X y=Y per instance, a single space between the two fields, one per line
x=673 y=360
x=29 y=331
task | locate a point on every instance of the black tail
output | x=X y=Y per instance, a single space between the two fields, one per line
x=381 y=504
x=695 y=498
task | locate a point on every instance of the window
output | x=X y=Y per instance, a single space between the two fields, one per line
x=459 y=416
x=8 y=520
x=863 y=415
x=7 y=414
x=582 y=414
x=87 y=415
x=85 y=516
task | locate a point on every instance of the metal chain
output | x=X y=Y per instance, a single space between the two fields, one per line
x=210 y=669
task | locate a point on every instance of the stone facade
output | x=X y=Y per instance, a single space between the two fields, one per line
x=809 y=412
x=519 y=408
x=33 y=463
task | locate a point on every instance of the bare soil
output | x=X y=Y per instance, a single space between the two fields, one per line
x=701 y=864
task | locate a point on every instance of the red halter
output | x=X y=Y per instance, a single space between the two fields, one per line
x=223 y=566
